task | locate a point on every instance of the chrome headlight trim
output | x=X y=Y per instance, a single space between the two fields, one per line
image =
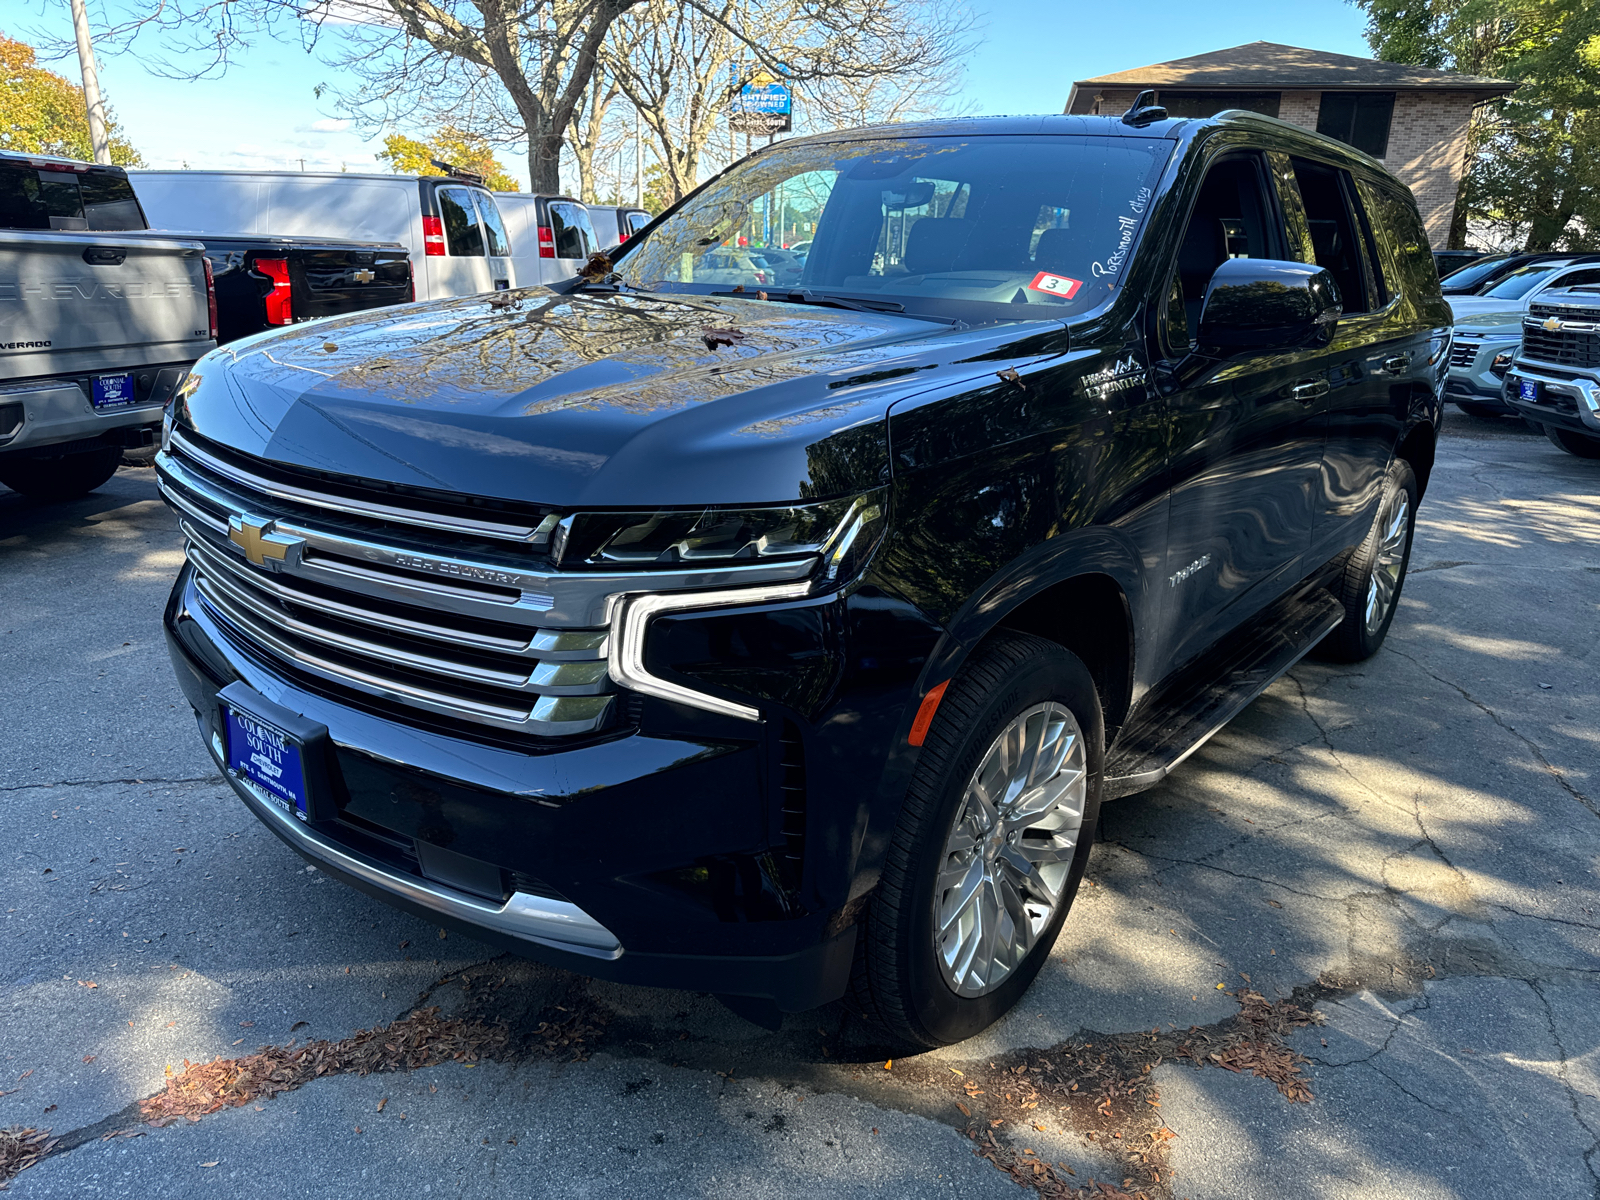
x=631 y=614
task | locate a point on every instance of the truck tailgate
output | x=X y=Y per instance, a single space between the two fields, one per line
x=73 y=301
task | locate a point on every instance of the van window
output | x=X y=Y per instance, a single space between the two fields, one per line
x=1326 y=193
x=637 y=221
x=1233 y=217
x=463 y=234
x=573 y=232
x=31 y=198
x=493 y=228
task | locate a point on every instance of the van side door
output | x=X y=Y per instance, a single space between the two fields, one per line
x=496 y=241
x=573 y=234
x=1246 y=430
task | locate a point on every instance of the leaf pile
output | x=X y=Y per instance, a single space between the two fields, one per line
x=420 y=1040
x=1027 y=1170
x=20 y=1148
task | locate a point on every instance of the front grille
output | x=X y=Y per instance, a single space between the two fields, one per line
x=1462 y=353
x=792 y=794
x=1574 y=343
x=388 y=599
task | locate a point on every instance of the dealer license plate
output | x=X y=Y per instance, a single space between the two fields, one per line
x=1528 y=390
x=112 y=390
x=266 y=757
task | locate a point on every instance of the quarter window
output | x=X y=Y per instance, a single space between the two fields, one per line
x=461 y=228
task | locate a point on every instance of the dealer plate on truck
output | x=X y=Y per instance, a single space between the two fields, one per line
x=112 y=390
x=268 y=759
x=1529 y=390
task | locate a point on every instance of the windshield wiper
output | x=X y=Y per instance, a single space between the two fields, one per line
x=807 y=296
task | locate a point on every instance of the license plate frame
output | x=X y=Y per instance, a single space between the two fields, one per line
x=1528 y=389
x=111 y=391
x=273 y=754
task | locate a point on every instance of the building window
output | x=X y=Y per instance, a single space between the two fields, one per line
x=1209 y=104
x=1359 y=119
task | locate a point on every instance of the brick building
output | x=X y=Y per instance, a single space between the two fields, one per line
x=1412 y=119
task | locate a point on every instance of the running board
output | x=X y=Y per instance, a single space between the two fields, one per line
x=1205 y=697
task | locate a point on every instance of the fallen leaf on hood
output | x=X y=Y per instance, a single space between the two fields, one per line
x=1010 y=376
x=715 y=337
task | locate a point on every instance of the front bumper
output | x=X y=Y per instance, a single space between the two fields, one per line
x=636 y=858
x=1566 y=399
x=1473 y=382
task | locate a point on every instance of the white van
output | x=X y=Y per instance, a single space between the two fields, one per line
x=451 y=225
x=616 y=223
x=552 y=236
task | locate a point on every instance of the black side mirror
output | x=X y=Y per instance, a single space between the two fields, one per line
x=1265 y=304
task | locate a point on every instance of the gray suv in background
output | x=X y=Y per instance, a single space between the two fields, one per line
x=1554 y=381
x=97 y=328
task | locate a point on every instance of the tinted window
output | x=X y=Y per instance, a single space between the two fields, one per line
x=573 y=232
x=494 y=229
x=1474 y=272
x=1519 y=283
x=637 y=221
x=1334 y=236
x=461 y=229
x=1359 y=119
x=1233 y=217
x=109 y=202
x=1046 y=223
x=1577 y=279
x=1398 y=223
x=1380 y=289
x=31 y=198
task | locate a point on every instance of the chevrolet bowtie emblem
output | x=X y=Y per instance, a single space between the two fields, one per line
x=255 y=537
x=1553 y=324
x=362 y=275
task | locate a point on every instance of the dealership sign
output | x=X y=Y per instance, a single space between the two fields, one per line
x=762 y=104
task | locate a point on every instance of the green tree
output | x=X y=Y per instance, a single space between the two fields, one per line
x=43 y=113
x=1534 y=159
x=408 y=156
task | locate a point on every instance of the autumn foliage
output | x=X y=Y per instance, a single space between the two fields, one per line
x=42 y=112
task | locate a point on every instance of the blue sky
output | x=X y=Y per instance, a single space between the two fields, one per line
x=262 y=113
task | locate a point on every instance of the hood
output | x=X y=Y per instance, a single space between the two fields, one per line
x=1486 y=310
x=1494 y=324
x=591 y=399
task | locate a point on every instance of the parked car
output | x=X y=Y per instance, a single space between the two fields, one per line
x=784 y=267
x=1485 y=342
x=1554 y=380
x=1447 y=261
x=554 y=236
x=266 y=282
x=1480 y=276
x=734 y=266
x=615 y=224
x=1512 y=293
x=100 y=323
x=785 y=648
x=450 y=225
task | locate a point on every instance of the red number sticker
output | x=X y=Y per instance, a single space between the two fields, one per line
x=1056 y=285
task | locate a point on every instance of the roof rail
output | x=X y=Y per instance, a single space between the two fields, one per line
x=455 y=172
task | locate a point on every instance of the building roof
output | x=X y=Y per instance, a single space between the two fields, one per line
x=1273 y=66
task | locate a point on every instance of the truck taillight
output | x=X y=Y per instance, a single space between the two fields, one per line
x=432 y=236
x=279 y=309
x=547 y=242
x=211 y=298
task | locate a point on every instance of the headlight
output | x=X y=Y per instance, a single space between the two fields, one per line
x=839 y=530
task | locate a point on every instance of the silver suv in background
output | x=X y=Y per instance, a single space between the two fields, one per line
x=1554 y=381
x=97 y=328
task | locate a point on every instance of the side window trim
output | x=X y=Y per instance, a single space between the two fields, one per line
x=1297 y=227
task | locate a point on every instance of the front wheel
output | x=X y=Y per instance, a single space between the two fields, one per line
x=1375 y=571
x=1580 y=444
x=990 y=846
x=63 y=476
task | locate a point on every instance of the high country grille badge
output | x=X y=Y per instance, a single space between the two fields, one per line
x=260 y=544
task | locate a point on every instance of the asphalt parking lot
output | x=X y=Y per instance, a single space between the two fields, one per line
x=1351 y=948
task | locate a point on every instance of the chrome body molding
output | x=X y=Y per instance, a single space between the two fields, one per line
x=631 y=616
x=555 y=923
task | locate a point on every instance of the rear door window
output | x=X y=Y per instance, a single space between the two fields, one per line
x=1338 y=241
x=109 y=202
x=1396 y=222
x=572 y=230
x=493 y=227
x=463 y=234
x=635 y=222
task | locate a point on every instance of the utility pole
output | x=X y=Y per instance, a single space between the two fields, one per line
x=638 y=159
x=91 y=86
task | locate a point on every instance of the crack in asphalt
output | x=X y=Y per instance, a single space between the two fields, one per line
x=25 y=787
x=1566 y=1083
x=1533 y=747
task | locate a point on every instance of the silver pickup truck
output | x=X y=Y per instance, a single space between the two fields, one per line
x=96 y=330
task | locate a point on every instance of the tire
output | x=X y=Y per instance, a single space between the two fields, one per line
x=62 y=477
x=1374 y=572
x=1483 y=412
x=1580 y=444
x=904 y=979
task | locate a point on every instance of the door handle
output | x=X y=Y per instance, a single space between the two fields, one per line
x=1397 y=364
x=1308 y=390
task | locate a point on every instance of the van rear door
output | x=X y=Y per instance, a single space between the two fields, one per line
x=574 y=237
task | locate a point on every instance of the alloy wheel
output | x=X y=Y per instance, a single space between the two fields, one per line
x=1384 y=585
x=1006 y=860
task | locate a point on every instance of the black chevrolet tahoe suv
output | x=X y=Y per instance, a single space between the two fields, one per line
x=783 y=645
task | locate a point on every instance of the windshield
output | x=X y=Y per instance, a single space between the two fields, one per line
x=1519 y=283
x=1473 y=272
x=1046 y=222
